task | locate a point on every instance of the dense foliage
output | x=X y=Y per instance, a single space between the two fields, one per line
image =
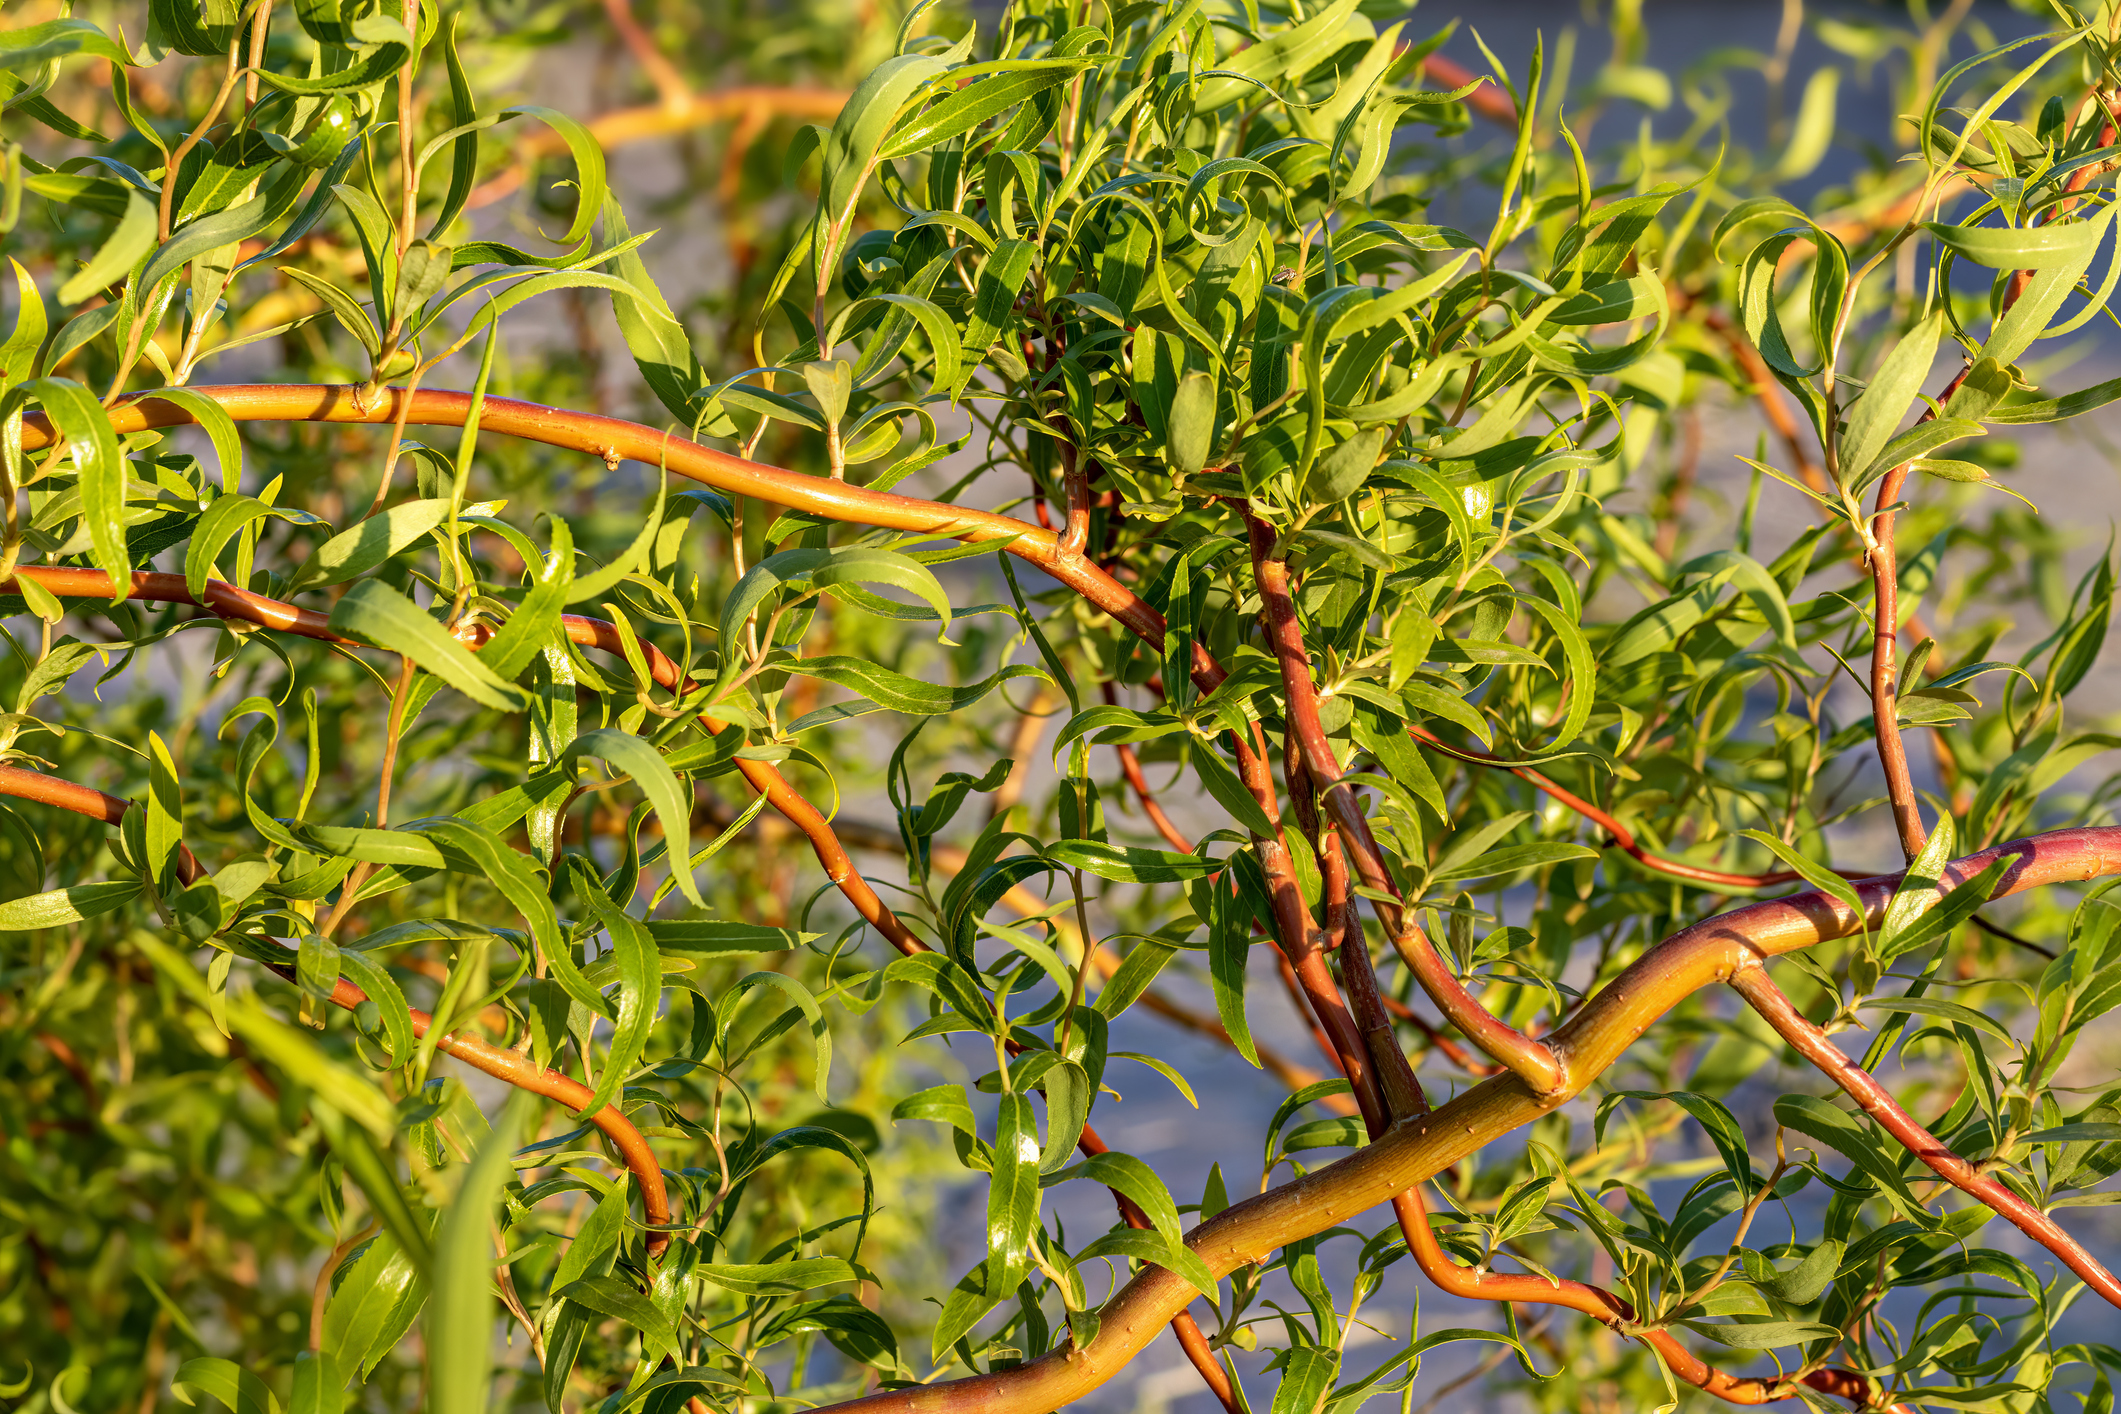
x=1340 y=413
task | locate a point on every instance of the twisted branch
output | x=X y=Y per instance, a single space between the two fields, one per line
x=1405 y=1153
x=1414 y=1149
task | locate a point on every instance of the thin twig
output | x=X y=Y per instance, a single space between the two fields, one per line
x=1813 y=1044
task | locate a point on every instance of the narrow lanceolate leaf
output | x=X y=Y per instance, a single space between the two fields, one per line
x=1717 y=1121
x=134 y=238
x=1126 y=864
x=640 y=976
x=672 y=801
x=891 y=691
x=352 y=553
x=460 y=1313
x=781 y=1278
x=979 y=101
x=237 y=1388
x=1012 y=1194
x=361 y=1314
x=1229 y=952
x=1917 y=891
x=1306 y=1379
x=58 y=908
x=374 y=613
x=93 y=448
x=2020 y=248
x=817 y=569
x=1877 y=414
x=537 y=618
x=224 y=520
x=476 y=849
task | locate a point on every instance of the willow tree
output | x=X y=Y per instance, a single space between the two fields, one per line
x=1366 y=532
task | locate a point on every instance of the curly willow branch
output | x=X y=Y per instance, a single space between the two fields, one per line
x=1414 y=1149
x=1411 y=1150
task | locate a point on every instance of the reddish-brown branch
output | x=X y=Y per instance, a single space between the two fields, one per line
x=1885 y=579
x=1536 y=1062
x=677 y=95
x=1620 y=837
x=1413 y=1150
x=1479 y=1284
x=1769 y=396
x=1885 y=636
x=1131 y=767
x=1756 y=987
x=1190 y=1339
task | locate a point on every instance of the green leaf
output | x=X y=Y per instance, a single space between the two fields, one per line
x=1127 y=864
x=33 y=46
x=18 y=355
x=1226 y=790
x=1808 y=1280
x=355 y=552
x=1948 y=1011
x=640 y=977
x=59 y=908
x=660 y=346
x=616 y=1297
x=1721 y=1125
x=386 y=44
x=536 y=620
x=1873 y=417
x=1068 y=1097
x=1813 y=873
x=1763 y=1334
x=1514 y=858
x=1813 y=132
x=671 y=799
x=1229 y=953
x=134 y=238
x=362 y=1312
x=821 y=1033
x=891 y=691
x=224 y=228
x=223 y=521
x=967 y=1302
x=2058 y=409
x=2055 y=243
x=225 y=1380
x=81 y=423
x=1308 y=1373
x=1191 y=423
x=1154 y=1248
x=978 y=101
x=1012 y=1194
x=1917 y=892
x=1952 y=911
x=781 y=1278
x=817 y=569
x=459 y=1334
x=859 y=131
x=1847 y=1135
x=374 y=613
